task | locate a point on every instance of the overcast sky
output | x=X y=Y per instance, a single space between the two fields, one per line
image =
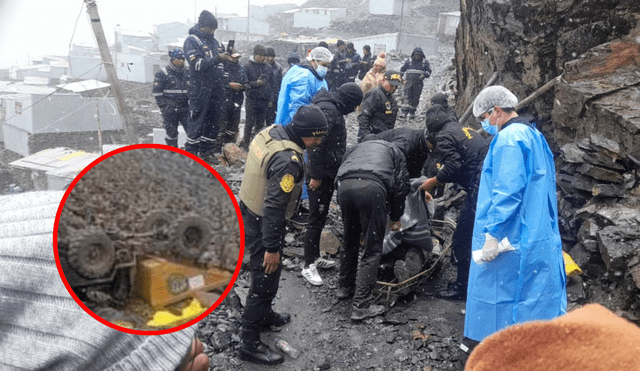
x=32 y=28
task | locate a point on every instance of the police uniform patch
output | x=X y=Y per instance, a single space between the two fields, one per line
x=287 y=183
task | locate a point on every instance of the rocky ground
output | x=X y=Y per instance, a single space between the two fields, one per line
x=420 y=332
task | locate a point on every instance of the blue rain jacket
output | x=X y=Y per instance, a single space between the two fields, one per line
x=517 y=199
x=298 y=86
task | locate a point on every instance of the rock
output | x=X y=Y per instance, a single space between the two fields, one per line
x=329 y=242
x=617 y=245
x=609 y=147
x=396 y=318
x=607 y=190
x=234 y=154
x=600 y=173
x=572 y=153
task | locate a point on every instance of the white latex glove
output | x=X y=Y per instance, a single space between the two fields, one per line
x=490 y=248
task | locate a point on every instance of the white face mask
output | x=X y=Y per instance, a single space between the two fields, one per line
x=491 y=129
x=322 y=70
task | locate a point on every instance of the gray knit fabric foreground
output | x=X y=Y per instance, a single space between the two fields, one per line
x=41 y=326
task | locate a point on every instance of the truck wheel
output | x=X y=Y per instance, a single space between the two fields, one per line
x=158 y=222
x=191 y=236
x=91 y=254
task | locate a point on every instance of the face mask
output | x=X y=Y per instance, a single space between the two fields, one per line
x=491 y=129
x=322 y=70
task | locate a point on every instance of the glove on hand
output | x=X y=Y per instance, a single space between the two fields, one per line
x=490 y=248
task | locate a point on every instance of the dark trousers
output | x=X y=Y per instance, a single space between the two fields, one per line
x=271 y=113
x=364 y=213
x=230 y=122
x=264 y=287
x=412 y=91
x=256 y=117
x=461 y=240
x=172 y=115
x=205 y=113
x=319 y=201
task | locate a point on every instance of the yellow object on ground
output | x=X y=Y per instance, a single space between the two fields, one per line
x=570 y=266
x=167 y=319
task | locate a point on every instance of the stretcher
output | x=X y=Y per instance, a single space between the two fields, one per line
x=442 y=230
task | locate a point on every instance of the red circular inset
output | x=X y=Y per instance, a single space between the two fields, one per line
x=222 y=296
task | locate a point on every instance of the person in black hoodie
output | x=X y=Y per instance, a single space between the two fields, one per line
x=372 y=182
x=258 y=92
x=366 y=63
x=416 y=69
x=462 y=152
x=323 y=163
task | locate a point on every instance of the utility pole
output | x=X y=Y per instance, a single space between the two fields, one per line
x=92 y=10
x=400 y=32
x=248 y=18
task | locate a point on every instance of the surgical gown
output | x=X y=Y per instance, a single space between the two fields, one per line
x=517 y=199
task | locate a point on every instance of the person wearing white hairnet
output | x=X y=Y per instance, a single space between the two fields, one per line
x=517 y=273
x=301 y=83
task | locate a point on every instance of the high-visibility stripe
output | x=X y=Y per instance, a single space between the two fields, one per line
x=174 y=91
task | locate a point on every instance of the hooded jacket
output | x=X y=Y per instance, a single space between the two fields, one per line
x=325 y=159
x=415 y=70
x=382 y=163
x=462 y=149
x=206 y=69
x=297 y=89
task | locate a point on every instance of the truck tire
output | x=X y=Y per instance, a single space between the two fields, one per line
x=158 y=222
x=191 y=236
x=91 y=254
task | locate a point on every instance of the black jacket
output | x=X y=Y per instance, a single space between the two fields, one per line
x=382 y=163
x=379 y=111
x=258 y=71
x=365 y=65
x=325 y=159
x=413 y=144
x=233 y=72
x=462 y=149
x=276 y=79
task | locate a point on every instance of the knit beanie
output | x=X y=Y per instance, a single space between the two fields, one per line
x=350 y=95
x=259 y=50
x=380 y=61
x=339 y=43
x=436 y=119
x=270 y=52
x=591 y=338
x=440 y=99
x=208 y=20
x=309 y=121
x=293 y=57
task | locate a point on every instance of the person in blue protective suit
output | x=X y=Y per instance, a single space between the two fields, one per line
x=206 y=86
x=170 y=91
x=301 y=83
x=517 y=273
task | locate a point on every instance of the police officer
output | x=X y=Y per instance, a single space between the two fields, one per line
x=379 y=107
x=170 y=90
x=417 y=69
x=206 y=89
x=269 y=195
x=462 y=152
